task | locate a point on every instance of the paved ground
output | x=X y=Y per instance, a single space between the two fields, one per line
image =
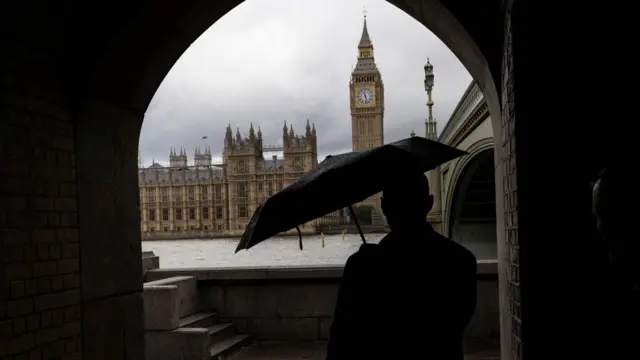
x=313 y=351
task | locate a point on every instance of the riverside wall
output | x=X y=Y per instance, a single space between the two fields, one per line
x=297 y=303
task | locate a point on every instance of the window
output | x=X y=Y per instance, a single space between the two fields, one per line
x=192 y=213
x=242 y=210
x=152 y=229
x=151 y=194
x=219 y=212
x=241 y=166
x=177 y=194
x=152 y=215
x=165 y=229
x=370 y=126
x=219 y=227
x=205 y=193
x=178 y=228
x=269 y=188
x=279 y=185
x=165 y=194
x=297 y=163
x=178 y=213
x=206 y=227
x=260 y=188
x=205 y=212
x=192 y=193
x=165 y=214
x=218 y=190
x=242 y=190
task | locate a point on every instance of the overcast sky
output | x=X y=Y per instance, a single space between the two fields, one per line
x=268 y=61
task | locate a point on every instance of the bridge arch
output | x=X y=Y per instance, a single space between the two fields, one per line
x=471 y=201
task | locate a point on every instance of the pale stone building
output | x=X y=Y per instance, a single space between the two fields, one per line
x=207 y=199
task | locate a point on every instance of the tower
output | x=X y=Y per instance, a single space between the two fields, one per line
x=300 y=151
x=202 y=158
x=366 y=99
x=366 y=94
x=431 y=132
x=177 y=159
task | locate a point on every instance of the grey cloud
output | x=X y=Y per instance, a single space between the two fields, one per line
x=270 y=61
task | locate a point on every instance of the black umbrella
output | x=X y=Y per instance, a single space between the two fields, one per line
x=339 y=181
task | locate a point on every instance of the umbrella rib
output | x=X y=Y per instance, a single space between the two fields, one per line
x=355 y=219
x=299 y=236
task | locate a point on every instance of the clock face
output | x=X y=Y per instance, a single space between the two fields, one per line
x=365 y=96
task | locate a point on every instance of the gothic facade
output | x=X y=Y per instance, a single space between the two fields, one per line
x=366 y=100
x=208 y=199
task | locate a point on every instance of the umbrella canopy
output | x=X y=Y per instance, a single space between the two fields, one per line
x=342 y=180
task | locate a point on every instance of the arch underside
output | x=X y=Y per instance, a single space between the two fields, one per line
x=473 y=213
x=121 y=53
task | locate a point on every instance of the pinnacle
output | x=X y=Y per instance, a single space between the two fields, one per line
x=365 y=41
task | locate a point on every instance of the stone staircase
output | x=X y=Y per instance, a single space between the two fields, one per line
x=176 y=328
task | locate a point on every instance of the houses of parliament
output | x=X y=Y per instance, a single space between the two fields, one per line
x=185 y=199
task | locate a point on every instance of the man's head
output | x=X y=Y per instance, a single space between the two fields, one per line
x=406 y=200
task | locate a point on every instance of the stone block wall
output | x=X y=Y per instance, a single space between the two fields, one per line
x=40 y=313
x=297 y=304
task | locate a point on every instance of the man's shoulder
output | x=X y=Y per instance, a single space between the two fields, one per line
x=365 y=252
x=460 y=252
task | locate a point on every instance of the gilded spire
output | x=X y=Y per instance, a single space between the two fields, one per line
x=365 y=41
x=366 y=62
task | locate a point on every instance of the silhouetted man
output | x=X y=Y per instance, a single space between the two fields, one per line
x=615 y=208
x=410 y=296
x=616 y=221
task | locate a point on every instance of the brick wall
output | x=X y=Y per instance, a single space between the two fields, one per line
x=40 y=315
x=508 y=169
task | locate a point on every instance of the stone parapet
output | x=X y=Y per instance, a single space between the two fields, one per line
x=485 y=267
x=149 y=261
x=284 y=303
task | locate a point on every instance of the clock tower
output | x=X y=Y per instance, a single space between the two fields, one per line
x=366 y=93
x=366 y=99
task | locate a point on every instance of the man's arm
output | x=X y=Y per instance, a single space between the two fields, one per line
x=341 y=336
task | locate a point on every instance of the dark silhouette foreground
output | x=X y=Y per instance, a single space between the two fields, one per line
x=614 y=196
x=410 y=296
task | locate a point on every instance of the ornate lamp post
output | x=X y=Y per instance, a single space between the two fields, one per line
x=430 y=123
x=431 y=133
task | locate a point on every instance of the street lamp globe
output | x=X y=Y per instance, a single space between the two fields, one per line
x=428 y=76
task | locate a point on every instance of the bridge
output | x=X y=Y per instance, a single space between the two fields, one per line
x=467 y=183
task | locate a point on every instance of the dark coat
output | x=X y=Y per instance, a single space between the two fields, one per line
x=410 y=296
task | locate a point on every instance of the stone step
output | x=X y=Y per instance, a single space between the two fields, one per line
x=227 y=346
x=219 y=332
x=198 y=320
x=161 y=307
x=179 y=344
x=187 y=292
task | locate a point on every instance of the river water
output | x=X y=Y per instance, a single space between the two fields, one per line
x=273 y=252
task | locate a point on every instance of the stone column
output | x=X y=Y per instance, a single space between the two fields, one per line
x=435 y=185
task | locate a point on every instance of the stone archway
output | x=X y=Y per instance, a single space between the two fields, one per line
x=472 y=218
x=133 y=66
x=81 y=79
